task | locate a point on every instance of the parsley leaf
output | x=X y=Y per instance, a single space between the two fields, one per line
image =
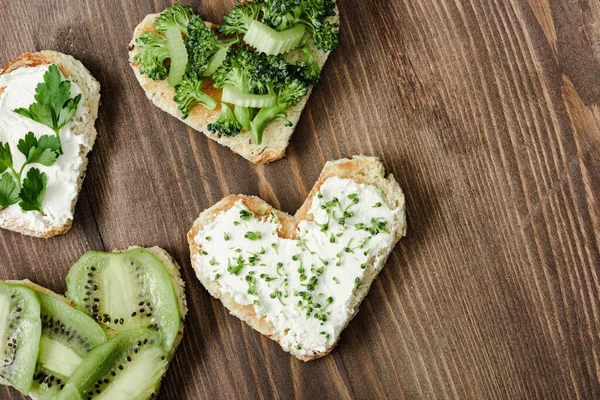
x=9 y=192
x=43 y=151
x=32 y=193
x=54 y=106
x=5 y=157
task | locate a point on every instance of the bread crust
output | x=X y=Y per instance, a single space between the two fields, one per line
x=276 y=136
x=362 y=169
x=73 y=70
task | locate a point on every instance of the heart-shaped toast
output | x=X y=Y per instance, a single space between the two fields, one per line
x=276 y=135
x=48 y=106
x=300 y=280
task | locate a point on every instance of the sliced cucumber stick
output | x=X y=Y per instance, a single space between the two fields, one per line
x=267 y=40
x=235 y=96
x=178 y=55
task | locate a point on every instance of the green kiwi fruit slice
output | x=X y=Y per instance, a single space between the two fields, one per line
x=126 y=290
x=67 y=336
x=129 y=366
x=20 y=329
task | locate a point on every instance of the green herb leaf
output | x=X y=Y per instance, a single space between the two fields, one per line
x=246 y=215
x=26 y=144
x=43 y=151
x=32 y=193
x=54 y=106
x=5 y=157
x=253 y=235
x=9 y=192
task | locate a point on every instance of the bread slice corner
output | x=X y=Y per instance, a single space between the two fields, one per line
x=362 y=169
x=76 y=72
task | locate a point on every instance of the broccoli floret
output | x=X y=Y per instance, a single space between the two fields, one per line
x=189 y=93
x=307 y=68
x=253 y=73
x=327 y=36
x=226 y=124
x=152 y=55
x=235 y=70
x=292 y=91
x=174 y=16
x=202 y=43
x=284 y=14
x=240 y=17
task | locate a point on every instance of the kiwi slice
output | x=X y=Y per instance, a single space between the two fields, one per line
x=129 y=366
x=67 y=336
x=20 y=329
x=126 y=290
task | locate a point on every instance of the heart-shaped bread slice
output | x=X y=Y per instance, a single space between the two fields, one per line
x=300 y=280
x=18 y=82
x=276 y=135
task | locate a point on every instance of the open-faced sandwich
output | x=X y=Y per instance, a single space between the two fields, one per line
x=243 y=84
x=300 y=280
x=111 y=337
x=48 y=107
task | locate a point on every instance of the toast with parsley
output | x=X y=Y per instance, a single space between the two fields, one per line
x=82 y=126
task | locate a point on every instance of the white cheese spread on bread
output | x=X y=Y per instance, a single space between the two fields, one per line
x=303 y=286
x=17 y=89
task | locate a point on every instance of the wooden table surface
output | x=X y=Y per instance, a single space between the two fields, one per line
x=488 y=114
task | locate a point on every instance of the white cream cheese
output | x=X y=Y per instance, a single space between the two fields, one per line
x=17 y=90
x=304 y=287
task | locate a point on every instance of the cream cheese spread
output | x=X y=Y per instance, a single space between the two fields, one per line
x=17 y=89
x=304 y=287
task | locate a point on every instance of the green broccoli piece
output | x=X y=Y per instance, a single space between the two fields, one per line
x=290 y=93
x=152 y=55
x=202 y=44
x=327 y=36
x=240 y=17
x=226 y=124
x=284 y=14
x=177 y=16
x=189 y=93
x=254 y=73
x=237 y=70
x=307 y=68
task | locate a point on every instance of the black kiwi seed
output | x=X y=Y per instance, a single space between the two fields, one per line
x=133 y=314
x=141 y=303
x=120 y=367
x=128 y=359
x=113 y=373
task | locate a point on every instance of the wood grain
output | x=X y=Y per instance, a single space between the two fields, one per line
x=488 y=114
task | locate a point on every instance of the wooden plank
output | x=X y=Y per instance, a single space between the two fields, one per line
x=488 y=114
